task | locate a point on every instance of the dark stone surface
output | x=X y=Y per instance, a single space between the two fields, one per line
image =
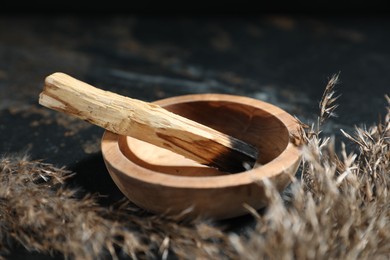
x=285 y=60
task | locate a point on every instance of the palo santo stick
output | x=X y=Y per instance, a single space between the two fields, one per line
x=147 y=122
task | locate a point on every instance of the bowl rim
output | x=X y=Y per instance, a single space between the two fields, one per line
x=289 y=157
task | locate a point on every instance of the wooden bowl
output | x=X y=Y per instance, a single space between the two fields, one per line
x=163 y=182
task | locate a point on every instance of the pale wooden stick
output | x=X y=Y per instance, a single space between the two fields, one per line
x=147 y=122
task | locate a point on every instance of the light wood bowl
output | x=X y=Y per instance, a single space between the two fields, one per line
x=163 y=182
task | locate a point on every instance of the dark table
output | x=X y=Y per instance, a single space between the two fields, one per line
x=282 y=59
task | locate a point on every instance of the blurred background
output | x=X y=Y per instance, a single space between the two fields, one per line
x=243 y=7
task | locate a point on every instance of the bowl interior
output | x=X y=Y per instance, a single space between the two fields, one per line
x=247 y=122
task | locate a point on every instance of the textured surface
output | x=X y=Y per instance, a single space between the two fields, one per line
x=284 y=60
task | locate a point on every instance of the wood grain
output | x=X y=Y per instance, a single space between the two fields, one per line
x=147 y=122
x=158 y=181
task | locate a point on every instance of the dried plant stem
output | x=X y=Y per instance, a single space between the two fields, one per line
x=338 y=210
x=39 y=213
x=327 y=104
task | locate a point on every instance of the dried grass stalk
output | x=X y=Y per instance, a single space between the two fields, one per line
x=328 y=103
x=38 y=212
x=338 y=209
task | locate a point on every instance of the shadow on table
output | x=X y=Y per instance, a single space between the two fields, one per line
x=92 y=176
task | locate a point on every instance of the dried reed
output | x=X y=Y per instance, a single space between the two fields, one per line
x=338 y=209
